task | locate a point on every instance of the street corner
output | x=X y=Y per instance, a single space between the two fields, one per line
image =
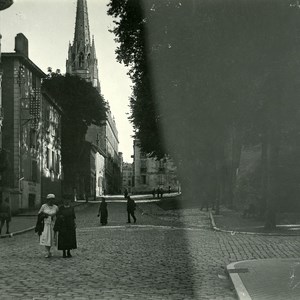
x=234 y=272
x=273 y=278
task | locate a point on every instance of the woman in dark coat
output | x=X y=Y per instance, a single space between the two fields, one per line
x=66 y=228
x=103 y=213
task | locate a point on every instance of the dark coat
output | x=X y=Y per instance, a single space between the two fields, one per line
x=66 y=228
x=103 y=212
x=131 y=205
x=39 y=226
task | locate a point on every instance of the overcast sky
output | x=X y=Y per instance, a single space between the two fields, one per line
x=49 y=27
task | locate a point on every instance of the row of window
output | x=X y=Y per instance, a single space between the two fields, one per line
x=53 y=160
x=53 y=163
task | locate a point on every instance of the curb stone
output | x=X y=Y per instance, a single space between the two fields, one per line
x=17 y=232
x=240 y=288
x=233 y=232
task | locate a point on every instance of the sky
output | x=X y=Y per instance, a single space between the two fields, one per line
x=49 y=27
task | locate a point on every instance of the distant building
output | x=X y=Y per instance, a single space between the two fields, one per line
x=104 y=174
x=127 y=177
x=96 y=161
x=31 y=131
x=150 y=173
x=113 y=161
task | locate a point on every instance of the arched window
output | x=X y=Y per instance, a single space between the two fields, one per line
x=81 y=60
x=88 y=59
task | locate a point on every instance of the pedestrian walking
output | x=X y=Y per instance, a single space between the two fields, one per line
x=48 y=212
x=103 y=213
x=5 y=215
x=131 y=206
x=153 y=192
x=125 y=193
x=66 y=227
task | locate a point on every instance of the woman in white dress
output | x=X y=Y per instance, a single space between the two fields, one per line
x=49 y=211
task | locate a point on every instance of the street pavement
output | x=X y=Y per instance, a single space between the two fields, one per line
x=166 y=255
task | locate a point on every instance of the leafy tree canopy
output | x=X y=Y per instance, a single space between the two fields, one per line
x=131 y=36
x=199 y=67
x=82 y=106
x=79 y=100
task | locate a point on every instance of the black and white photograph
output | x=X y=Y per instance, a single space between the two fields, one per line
x=149 y=149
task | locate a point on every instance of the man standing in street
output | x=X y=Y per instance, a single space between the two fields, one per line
x=125 y=193
x=130 y=209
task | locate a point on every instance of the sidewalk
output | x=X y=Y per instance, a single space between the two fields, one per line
x=18 y=225
x=232 y=221
x=274 y=279
x=26 y=221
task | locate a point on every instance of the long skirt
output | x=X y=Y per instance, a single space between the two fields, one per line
x=103 y=217
x=67 y=239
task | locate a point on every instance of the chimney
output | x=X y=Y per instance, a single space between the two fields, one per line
x=21 y=44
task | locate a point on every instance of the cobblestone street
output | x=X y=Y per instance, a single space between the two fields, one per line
x=166 y=255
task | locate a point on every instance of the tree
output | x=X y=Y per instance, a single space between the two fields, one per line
x=213 y=73
x=82 y=105
x=130 y=34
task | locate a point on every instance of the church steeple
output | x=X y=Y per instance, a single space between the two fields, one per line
x=82 y=59
x=82 y=28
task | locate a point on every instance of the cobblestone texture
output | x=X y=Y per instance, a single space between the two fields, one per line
x=167 y=255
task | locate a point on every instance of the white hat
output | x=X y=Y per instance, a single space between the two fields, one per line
x=50 y=196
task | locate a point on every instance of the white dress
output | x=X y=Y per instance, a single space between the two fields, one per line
x=47 y=236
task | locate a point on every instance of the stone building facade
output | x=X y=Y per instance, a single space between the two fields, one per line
x=127 y=177
x=23 y=137
x=52 y=172
x=113 y=159
x=150 y=173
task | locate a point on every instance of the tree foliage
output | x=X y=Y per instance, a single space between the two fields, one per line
x=131 y=36
x=210 y=77
x=82 y=105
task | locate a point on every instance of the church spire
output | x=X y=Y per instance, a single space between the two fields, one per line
x=82 y=60
x=82 y=28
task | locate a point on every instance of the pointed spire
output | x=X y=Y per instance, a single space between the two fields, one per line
x=93 y=50
x=82 y=60
x=82 y=29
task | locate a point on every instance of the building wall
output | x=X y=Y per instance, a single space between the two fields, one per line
x=150 y=173
x=109 y=138
x=21 y=100
x=7 y=179
x=100 y=172
x=51 y=166
x=127 y=177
